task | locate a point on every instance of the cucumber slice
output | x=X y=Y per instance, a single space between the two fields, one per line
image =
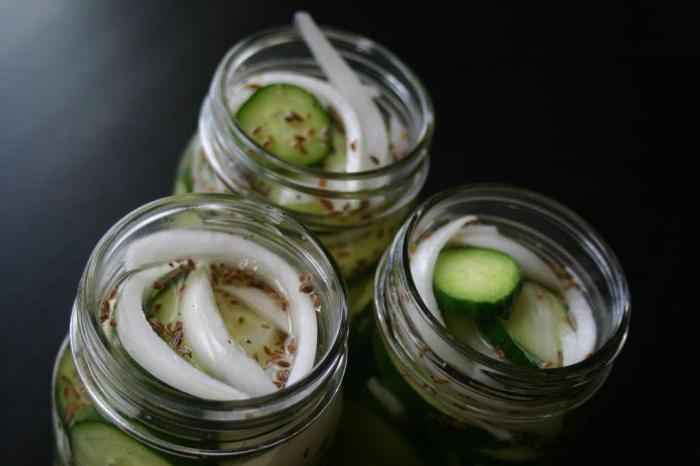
x=253 y=333
x=535 y=332
x=72 y=401
x=539 y=322
x=466 y=329
x=287 y=121
x=495 y=333
x=98 y=443
x=475 y=281
x=164 y=303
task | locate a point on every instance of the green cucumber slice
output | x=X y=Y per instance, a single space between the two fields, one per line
x=72 y=401
x=258 y=337
x=164 y=303
x=98 y=443
x=288 y=122
x=476 y=281
x=534 y=332
x=496 y=334
x=466 y=329
x=539 y=321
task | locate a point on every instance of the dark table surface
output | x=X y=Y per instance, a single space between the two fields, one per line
x=97 y=100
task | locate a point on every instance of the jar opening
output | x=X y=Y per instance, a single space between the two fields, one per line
x=320 y=198
x=552 y=230
x=399 y=86
x=129 y=397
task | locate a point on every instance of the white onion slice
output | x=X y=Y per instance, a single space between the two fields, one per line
x=486 y=236
x=375 y=142
x=212 y=346
x=581 y=314
x=154 y=354
x=262 y=304
x=424 y=258
x=398 y=136
x=169 y=245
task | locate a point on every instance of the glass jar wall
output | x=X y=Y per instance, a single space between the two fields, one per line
x=428 y=398
x=107 y=408
x=354 y=214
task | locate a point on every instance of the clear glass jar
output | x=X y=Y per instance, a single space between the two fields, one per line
x=451 y=404
x=354 y=214
x=94 y=382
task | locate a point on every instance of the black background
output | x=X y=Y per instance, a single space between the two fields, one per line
x=97 y=100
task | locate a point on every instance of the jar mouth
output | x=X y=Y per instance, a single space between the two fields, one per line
x=358 y=48
x=125 y=392
x=520 y=198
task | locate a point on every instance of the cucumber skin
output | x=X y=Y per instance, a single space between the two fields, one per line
x=497 y=335
x=501 y=308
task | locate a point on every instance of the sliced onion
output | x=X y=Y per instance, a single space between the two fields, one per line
x=581 y=314
x=375 y=141
x=398 y=136
x=262 y=304
x=169 y=245
x=152 y=353
x=486 y=236
x=212 y=346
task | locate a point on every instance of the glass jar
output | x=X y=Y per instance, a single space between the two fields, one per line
x=104 y=400
x=450 y=404
x=354 y=214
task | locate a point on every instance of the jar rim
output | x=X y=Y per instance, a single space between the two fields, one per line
x=98 y=358
x=273 y=36
x=601 y=358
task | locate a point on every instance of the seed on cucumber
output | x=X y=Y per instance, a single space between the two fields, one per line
x=534 y=333
x=96 y=443
x=288 y=122
x=475 y=281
